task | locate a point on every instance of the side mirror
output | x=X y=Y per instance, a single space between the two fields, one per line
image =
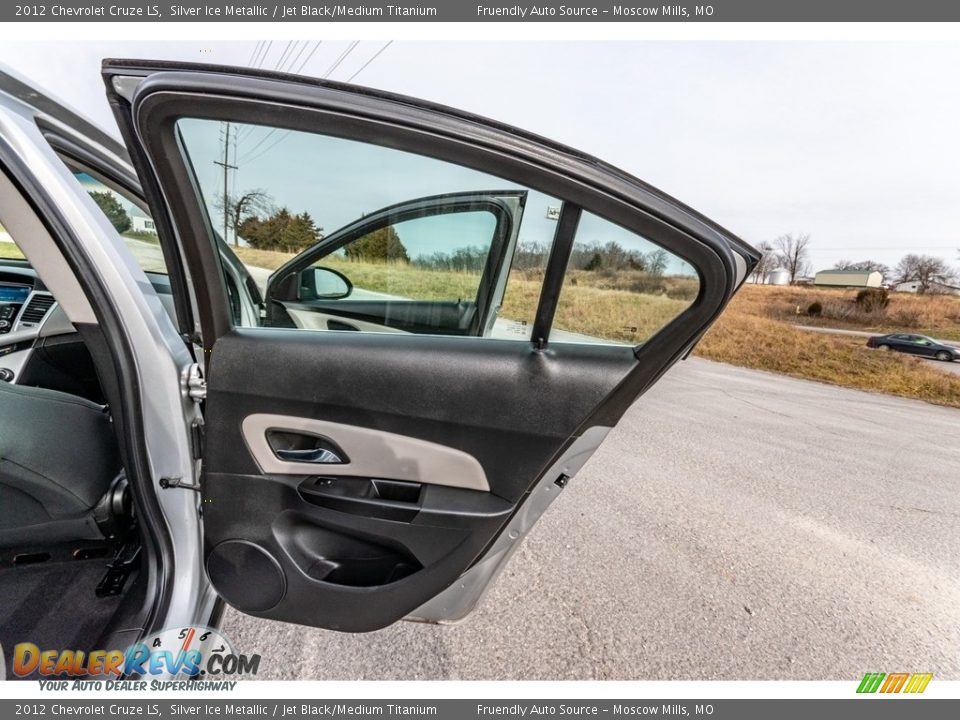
x=323 y=283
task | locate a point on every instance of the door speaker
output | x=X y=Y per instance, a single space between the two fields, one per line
x=246 y=576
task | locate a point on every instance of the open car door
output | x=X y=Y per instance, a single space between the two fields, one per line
x=383 y=459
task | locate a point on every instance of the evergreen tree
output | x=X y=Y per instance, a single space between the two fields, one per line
x=114 y=211
x=381 y=245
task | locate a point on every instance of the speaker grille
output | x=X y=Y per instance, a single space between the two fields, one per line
x=246 y=576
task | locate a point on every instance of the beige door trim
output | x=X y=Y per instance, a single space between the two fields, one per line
x=372 y=453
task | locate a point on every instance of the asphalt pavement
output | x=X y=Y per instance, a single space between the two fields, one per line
x=735 y=525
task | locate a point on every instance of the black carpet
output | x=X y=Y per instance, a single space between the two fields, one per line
x=53 y=606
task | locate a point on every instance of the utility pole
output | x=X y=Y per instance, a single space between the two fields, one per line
x=227 y=167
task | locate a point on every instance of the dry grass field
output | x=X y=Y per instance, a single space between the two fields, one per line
x=757 y=331
x=608 y=307
x=934 y=315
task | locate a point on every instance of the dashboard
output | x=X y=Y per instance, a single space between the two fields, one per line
x=38 y=344
x=16 y=294
x=28 y=315
x=13 y=296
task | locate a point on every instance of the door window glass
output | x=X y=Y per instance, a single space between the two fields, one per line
x=346 y=235
x=423 y=274
x=133 y=224
x=620 y=287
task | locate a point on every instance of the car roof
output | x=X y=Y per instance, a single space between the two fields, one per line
x=28 y=92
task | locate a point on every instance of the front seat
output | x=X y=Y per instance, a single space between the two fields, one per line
x=58 y=459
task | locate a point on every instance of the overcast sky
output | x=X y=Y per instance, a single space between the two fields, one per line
x=855 y=143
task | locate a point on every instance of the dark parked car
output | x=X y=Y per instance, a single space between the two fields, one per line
x=915 y=345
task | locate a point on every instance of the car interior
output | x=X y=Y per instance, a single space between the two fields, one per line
x=69 y=540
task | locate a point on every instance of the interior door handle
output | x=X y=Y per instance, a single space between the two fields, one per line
x=318 y=456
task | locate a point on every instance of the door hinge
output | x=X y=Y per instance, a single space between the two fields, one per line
x=168 y=483
x=196 y=385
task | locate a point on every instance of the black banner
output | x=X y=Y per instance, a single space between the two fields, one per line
x=484 y=11
x=874 y=708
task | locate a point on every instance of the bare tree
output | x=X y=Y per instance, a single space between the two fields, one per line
x=863 y=265
x=766 y=263
x=252 y=203
x=927 y=271
x=656 y=261
x=793 y=253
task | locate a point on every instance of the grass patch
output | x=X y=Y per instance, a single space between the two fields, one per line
x=614 y=314
x=748 y=336
x=592 y=303
x=269 y=259
x=146 y=237
x=407 y=280
x=10 y=251
x=755 y=331
x=934 y=315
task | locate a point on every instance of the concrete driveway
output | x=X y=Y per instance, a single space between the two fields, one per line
x=736 y=525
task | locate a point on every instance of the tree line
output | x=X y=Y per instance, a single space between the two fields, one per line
x=531 y=255
x=792 y=253
x=254 y=219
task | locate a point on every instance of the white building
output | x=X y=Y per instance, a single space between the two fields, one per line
x=778 y=276
x=849 y=278
x=913 y=286
x=143 y=224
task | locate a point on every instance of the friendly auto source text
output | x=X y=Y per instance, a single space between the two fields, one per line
x=617 y=11
x=518 y=710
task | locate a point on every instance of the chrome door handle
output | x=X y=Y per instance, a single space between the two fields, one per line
x=319 y=456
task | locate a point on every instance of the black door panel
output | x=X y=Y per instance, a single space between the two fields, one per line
x=364 y=573
x=369 y=556
x=504 y=403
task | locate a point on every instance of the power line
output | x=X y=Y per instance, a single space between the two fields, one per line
x=297 y=57
x=249 y=130
x=250 y=157
x=265 y=53
x=375 y=56
x=260 y=142
x=343 y=56
x=283 y=55
x=299 y=69
x=256 y=49
x=260 y=54
x=245 y=132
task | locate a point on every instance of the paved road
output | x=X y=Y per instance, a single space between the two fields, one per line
x=736 y=525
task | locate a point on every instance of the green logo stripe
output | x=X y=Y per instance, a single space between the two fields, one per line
x=871 y=682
